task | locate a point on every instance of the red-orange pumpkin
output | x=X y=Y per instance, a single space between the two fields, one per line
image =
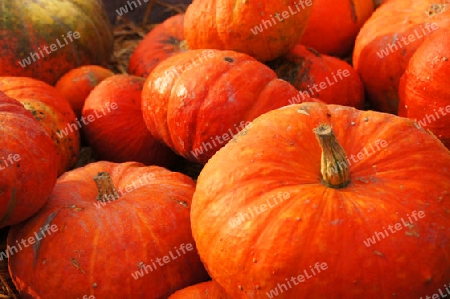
x=288 y=212
x=163 y=41
x=387 y=41
x=424 y=91
x=334 y=24
x=115 y=128
x=197 y=101
x=53 y=112
x=127 y=237
x=77 y=83
x=264 y=30
x=204 y=290
x=327 y=78
x=27 y=168
x=45 y=39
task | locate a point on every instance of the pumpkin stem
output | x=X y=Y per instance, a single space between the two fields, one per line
x=184 y=45
x=106 y=189
x=334 y=166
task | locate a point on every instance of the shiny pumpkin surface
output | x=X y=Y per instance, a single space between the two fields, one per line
x=396 y=170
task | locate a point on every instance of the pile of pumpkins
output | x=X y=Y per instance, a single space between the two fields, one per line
x=298 y=181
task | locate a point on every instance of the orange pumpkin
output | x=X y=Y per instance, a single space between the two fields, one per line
x=321 y=201
x=115 y=128
x=264 y=30
x=77 y=83
x=334 y=24
x=108 y=228
x=197 y=101
x=53 y=112
x=27 y=168
x=204 y=290
x=387 y=41
x=163 y=41
x=327 y=78
x=424 y=92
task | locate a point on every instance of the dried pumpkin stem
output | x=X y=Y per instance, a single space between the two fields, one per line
x=106 y=189
x=334 y=166
x=183 y=45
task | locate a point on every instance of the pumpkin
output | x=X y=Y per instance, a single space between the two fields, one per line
x=321 y=201
x=204 y=290
x=27 y=170
x=262 y=30
x=109 y=228
x=387 y=41
x=76 y=84
x=45 y=39
x=197 y=101
x=52 y=111
x=320 y=76
x=423 y=91
x=114 y=126
x=333 y=25
x=163 y=41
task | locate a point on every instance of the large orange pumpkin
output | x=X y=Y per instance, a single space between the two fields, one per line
x=387 y=41
x=27 y=168
x=45 y=39
x=204 y=290
x=424 y=91
x=115 y=128
x=264 y=30
x=334 y=24
x=77 y=84
x=197 y=101
x=53 y=112
x=112 y=231
x=324 y=77
x=163 y=41
x=357 y=208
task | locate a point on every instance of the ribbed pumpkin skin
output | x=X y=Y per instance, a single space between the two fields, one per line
x=315 y=223
x=97 y=249
x=204 y=290
x=121 y=135
x=160 y=43
x=424 y=92
x=190 y=108
x=388 y=25
x=29 y=25
x=334 y=24
x=26 y=180
x=324 y=77
x=230 y=25
x=53 y=112
x=76 y=84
